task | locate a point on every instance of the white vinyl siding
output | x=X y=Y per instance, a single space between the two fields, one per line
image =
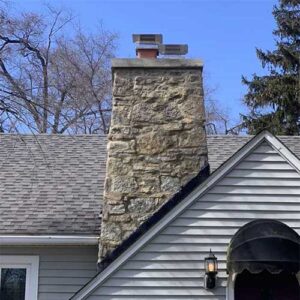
x=62 y=270
x=170 y=266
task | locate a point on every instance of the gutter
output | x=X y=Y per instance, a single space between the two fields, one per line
x=41 y=240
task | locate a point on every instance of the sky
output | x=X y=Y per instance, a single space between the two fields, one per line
x=222 y=33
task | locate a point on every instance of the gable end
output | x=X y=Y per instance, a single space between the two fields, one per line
x=208 y=217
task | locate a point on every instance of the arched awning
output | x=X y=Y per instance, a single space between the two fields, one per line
x=264 y=245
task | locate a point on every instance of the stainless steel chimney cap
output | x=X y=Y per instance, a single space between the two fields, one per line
x=147 y=38
x=173 y=49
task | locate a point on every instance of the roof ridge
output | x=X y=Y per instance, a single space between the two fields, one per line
x=248 y=136
x=229 y=136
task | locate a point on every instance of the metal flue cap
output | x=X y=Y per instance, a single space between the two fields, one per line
x=147 y=38
x=173 y=49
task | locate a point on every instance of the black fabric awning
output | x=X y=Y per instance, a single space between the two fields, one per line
x=264 y=245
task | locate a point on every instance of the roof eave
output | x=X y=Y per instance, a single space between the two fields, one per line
x=42 y=240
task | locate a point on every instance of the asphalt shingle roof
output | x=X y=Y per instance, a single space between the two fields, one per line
x=53 y=184
x=222 y=147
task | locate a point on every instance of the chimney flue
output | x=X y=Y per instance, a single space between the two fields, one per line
x=147 y=52
x=147 y=45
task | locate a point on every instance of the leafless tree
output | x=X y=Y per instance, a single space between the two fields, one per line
x=54 y=78
x=218 y=119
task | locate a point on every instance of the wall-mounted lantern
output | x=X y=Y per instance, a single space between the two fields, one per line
x=211 y=270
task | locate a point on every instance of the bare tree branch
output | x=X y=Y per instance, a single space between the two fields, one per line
x=56 y=83
x=218 y=119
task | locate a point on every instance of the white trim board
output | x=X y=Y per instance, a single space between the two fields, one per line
x=190 y=199
x=58 y=240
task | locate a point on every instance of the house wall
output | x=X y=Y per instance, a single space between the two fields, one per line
x=171 y=265
x=62 y=270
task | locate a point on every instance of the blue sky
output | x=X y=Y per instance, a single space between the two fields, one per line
x=223 y=33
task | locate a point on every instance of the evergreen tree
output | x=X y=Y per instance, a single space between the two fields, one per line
x=274 y=99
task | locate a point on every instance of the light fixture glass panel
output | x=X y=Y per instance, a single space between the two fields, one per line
x=211 y=266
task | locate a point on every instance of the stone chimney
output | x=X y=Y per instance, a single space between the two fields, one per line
x=157 y=140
